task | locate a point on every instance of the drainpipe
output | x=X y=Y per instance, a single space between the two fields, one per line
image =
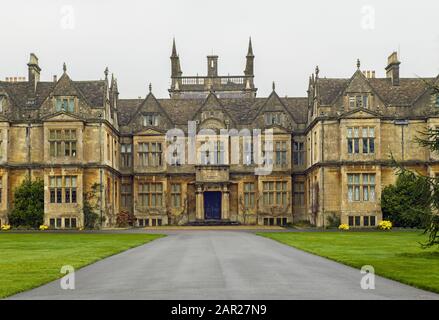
x=402 y=123
x=28 y=150
x=323 y=172
x=402 y=142
x=100 y=170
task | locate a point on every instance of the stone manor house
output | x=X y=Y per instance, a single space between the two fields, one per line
x=329 y=150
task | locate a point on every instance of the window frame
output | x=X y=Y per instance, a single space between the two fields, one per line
x=63 y=143
x=150 y=154
x=65 y=104
x=150 y=197
x=299 y=194
x=151 y=120
x=249 y=189
x=275 y=193
x=361 y=187
x=2 y=102
x=176 y=195
x=126 y=154
x=298 y=153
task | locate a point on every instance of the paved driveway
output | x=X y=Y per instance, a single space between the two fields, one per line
x=220 y=265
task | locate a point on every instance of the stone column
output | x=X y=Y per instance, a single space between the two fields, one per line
x=225 y=204
x=199 y=203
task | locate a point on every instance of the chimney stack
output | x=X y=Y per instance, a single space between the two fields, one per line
x=55 y=78
x=34 y=71
x=370 y=74
x=392 y=69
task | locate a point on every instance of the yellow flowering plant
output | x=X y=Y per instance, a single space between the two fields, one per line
x=43 y=227
x=343 y=227
x=6 y=227
x=385 y=225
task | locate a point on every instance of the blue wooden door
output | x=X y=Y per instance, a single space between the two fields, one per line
x=212 y=205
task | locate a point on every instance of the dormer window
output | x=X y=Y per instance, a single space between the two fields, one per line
x=65 y=104
x=273 y=118
x=150 y=120
x=2 y=102
x=358 y=101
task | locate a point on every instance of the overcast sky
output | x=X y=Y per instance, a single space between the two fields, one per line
x=134 y=37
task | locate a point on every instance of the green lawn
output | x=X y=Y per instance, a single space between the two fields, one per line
x=29 y=260
x=395 y=255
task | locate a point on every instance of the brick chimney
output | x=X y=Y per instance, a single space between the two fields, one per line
x=392 y=69
x=34 y=71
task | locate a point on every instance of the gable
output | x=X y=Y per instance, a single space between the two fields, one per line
x=149 y=106
x=214 y=110
x=358 y=84
x=275 y=104
x=65 y=87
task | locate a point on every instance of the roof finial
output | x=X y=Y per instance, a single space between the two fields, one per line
x=150 y=87
x=174 y=48
x=358 y=64
x=273 y=86
x=317 y=71
x=250 y=47
x=106 y=73
x=64 y=67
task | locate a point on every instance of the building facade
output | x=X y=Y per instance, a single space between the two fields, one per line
x=168 y=162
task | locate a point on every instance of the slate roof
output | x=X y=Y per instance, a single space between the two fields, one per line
x=330 y=89
x=405 y=94
x=94 y=91
x=18 y=92
x=126 y=109
x=298 y=108
x=242 y=110
x=21 y=92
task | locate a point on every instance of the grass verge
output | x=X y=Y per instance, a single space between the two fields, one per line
x=394 y=255
x=30 y=260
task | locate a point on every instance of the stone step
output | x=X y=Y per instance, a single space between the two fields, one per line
x=213 y=223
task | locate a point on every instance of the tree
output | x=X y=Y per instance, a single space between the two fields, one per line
x=28 y=204
x=407 y=202
x=430 y=140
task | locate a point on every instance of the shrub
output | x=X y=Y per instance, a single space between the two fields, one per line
x=28 y=204
x=333 y=221
x=343 y=227
x=43 y=227
x=385 y=225
x=125 y=219
x=6 y=227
